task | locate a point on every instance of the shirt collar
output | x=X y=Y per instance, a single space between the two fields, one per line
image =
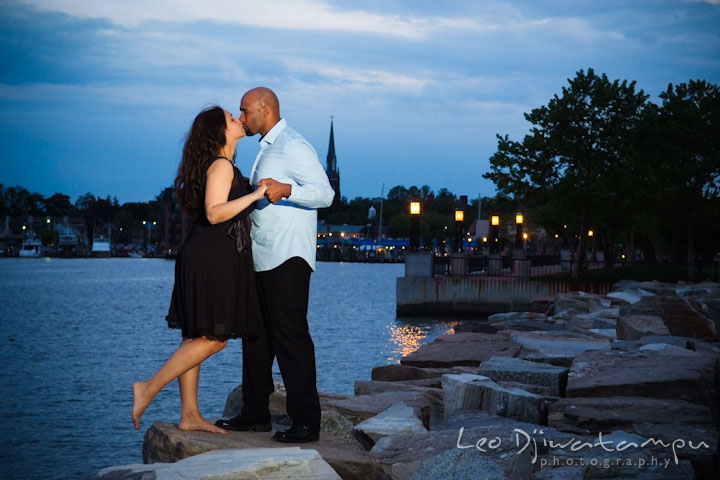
x=271 y=135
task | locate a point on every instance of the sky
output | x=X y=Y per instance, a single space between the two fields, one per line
x=97 y=95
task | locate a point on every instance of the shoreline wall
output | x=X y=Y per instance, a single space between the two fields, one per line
x=477 y=295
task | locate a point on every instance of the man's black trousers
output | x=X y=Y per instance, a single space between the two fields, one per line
x=283 y=293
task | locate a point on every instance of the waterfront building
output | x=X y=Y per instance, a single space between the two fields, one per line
x=177 y=222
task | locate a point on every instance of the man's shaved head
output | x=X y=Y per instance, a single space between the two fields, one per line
x=260 y=110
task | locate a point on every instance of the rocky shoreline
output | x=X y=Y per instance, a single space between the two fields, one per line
x=625 y=385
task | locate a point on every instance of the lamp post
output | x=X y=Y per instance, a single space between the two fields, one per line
x=494 y=233
x=459 y=216
x=414 y=226
x=519 y=231
x=494 y=260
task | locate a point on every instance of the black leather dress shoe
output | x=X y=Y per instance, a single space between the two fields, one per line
x=239 y=423
x=297 y=434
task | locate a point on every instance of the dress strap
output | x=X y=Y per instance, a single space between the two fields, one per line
x=225 y=158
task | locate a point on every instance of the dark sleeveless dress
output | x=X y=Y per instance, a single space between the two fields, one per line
x=214 y=293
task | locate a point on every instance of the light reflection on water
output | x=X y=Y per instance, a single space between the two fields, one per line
x=75 y=334
x=408 y=337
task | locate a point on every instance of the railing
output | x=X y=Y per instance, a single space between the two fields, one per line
x=551 y=267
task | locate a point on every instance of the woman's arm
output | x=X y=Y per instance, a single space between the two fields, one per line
x=217 y=188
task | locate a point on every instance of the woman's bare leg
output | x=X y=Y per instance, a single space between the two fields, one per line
x=191 y=419
x=190 y=353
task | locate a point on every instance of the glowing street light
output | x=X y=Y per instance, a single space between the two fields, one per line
x=519 y=231
x=414 y=226
x=494 y=233
x=459 y=215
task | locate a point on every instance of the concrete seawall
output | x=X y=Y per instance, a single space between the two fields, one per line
x=421 y=294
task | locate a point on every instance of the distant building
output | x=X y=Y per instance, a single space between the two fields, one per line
x=177 y=222
x=331 y=169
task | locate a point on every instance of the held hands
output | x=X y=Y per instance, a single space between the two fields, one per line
x=275 y=191
x=259 y=192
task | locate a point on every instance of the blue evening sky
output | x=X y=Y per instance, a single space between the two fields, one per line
x=96 y=95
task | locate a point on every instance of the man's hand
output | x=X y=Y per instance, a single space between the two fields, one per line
x=276 y=191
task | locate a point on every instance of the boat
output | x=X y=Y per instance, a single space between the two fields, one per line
x=31 y=248
x=101 y=247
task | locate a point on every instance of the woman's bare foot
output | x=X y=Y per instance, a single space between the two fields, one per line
x=198 y=423
x=140 y=403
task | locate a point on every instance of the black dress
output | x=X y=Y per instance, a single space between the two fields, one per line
x=214 y=293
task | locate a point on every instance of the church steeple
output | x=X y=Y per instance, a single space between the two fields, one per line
x=331 y=169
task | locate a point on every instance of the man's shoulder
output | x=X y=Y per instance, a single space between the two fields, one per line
x=292 y=135
x=293 y=140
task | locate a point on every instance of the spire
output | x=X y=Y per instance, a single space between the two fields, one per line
x=332 y=170
x=331 y=158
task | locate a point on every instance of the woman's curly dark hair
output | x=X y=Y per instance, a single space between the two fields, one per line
x=202 y=145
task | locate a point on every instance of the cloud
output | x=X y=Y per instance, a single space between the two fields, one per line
x=285 y=14
x=317 y=15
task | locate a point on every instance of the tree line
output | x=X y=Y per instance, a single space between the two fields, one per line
x=17 y=201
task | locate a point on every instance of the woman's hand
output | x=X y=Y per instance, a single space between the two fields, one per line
x=259 y=193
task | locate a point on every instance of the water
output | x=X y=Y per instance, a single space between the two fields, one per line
x=76 y=333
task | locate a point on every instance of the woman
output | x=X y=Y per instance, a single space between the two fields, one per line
x=214 y=296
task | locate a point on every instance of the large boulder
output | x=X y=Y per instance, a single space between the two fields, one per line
x=618 y=373
x=501 y=369
x=267 y=463
x=467 y=391
x=165 y=443
x=503 y=441
x=466 y=348
x=683 y=317
x=456 y=464
x=633 y=327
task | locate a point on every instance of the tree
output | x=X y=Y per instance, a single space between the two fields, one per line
x=575 y=168
x=688 y=145
x=57 y=205
x=18 y=201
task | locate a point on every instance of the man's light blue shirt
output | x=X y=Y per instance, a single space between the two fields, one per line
x=288 y=228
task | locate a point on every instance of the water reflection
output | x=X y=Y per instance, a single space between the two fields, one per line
x=409 y=334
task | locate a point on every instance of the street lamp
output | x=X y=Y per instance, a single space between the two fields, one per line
x=414 y=226
x=459 y=215
x=519 y=231
x=494 y=233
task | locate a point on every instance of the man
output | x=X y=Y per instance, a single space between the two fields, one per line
x=284 y=239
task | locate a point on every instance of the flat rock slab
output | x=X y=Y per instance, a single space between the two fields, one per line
x=465 y=348
x=266 y=463
x=359 y=408
x=617 y=373
x=556 y=349
x=581 y=302
x=522 y=321
x=591 y=416
x=164 y=443
x=400 y=418
x=402 y=373
x=501 y=369
x=363 y=387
